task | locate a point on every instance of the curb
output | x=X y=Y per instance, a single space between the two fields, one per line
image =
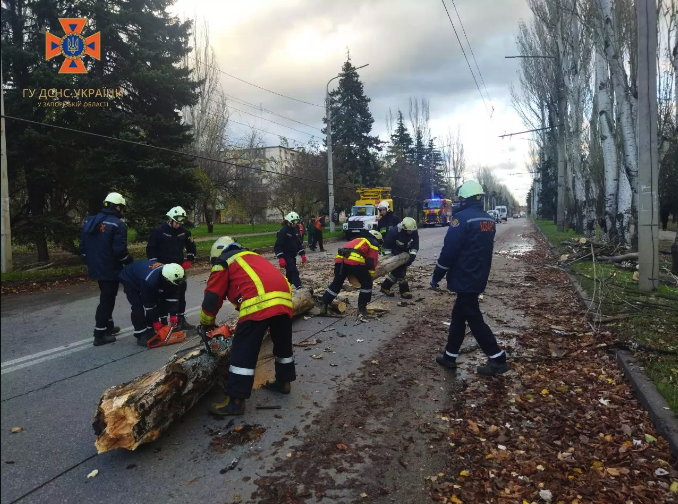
x=661 y=415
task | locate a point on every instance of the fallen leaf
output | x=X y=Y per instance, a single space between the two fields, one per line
x=473 y=427
x=455 y=500
x=661 y=472
x=342 y=446
x=463 y=473
x=626 y=429
x=375 y=362
x=546 y=495
x=238 y=428
x=674 y=487
x=544 y=392
x=650 y=439
x=612 y=471
x=317 y=356
x=363 y=495
x=540 y=467
x=16 y=430
x=93 y=473
x=501 y=447
x=288 y=455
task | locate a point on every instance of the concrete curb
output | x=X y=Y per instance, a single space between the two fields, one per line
x=661 y=415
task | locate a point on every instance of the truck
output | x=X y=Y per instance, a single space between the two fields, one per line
x=503 y=212
x=437 y=211
x=364 y=214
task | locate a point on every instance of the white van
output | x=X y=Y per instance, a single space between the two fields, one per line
x=503 y=213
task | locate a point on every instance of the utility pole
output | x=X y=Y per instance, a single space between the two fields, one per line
x=330 y=168
x=648 y=152
x=6 y=229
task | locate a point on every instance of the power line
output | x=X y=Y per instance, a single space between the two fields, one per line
x=265 y=131
x=257 y=107
x=472 y=54
x=264 y=89
x=529 y=131
x=465 y=57
x=269 y=120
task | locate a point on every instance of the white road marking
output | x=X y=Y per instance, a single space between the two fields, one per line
x=61 y=351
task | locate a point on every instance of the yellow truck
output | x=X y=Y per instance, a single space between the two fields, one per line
x=364 y=214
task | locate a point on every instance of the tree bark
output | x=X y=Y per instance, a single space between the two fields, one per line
x=139 y=411
x=384 y=266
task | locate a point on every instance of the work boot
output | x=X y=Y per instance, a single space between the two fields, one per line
x=406 y=295
x=112 y=329
x=323 y=309
x=103 y=339
x=448 y=362
x=493 y=368
x=142 y=339
x=183 y=324
x=229 y=407
x=362 y=311
x=386 y=292
x=277 y=386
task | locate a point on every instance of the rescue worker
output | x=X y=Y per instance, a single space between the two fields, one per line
x=664 y=216
x=466 y=259
x=387 y=218
x=146 y=284
x=166 y=245
x=289 y=245
x=103 y=247
x=402 y=237
x=319 y=224
x=359 y=258
x=310 y=228
x=264 y=299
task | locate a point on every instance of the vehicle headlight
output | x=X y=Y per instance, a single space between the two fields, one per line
x=345 y=225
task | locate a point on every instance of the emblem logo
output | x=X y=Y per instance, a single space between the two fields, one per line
x=73 y=46
x=455 y=222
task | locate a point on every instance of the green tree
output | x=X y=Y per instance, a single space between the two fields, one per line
x=352 y=145
x=63 y=175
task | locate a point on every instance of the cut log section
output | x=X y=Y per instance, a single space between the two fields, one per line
x=385 y=265
x=338 y=306
x=137 y=412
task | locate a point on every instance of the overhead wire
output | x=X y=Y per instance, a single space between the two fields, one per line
x=466 y=58
x=257 y=107
x=472 y=54
x=271 y=121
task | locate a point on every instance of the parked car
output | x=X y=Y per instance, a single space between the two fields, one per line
x=494 y=214
x=503 y=212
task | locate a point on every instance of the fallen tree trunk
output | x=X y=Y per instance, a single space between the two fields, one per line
x=617 y=259
x=137 y=412
x=385 y=265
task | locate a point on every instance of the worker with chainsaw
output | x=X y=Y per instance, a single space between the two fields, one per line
x=288 y=246
x=466 y=259
x=403 y=237
x=166 y=245
x=146 y=283
x=263 y=298
x=103 y=247
x=387 y=218
x=358 y=258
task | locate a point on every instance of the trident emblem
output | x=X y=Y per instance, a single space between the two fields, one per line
x=73 y=46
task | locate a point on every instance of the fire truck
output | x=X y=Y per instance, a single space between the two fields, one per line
x=364 y=214
x=437 y=211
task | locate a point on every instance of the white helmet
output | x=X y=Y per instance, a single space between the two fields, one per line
x=377 y=235
x=293 y=218
x=173 y=273
x=114 y=199
x=384 y=206
x=408 y=224
x=177 y=214
x=222 y=244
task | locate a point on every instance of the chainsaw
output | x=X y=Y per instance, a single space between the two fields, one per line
x=215 y=341
x=167 y=335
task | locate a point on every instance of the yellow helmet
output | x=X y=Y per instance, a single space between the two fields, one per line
x=173 y=273
x=114 y=199
x=409 y=224
x=377 y=235
x=222 y=244
x=177 y=214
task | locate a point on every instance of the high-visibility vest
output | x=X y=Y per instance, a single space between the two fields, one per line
x=318 y=224
x=362 y=251
x=254 y=286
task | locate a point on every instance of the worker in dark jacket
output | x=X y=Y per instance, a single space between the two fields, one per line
x=146 y=284
x=166 y=245
x=289 y=245
x=664 y=216
x=103 y=247
x=310 y=230
x=466 y=259
x=402 y=237
x=359 y=258
x=387 y=218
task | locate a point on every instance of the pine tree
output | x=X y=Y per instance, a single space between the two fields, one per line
x=63 y=175
x=401 y=141
x=352 y=144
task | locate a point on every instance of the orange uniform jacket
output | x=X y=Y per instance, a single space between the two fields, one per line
x=255 y=287
x=365 y=254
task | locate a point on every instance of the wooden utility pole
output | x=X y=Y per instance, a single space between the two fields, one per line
x=6 y=229
x=648 y=152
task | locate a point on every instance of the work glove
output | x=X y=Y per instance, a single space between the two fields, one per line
x=412 y=258
x=157 y=326
x=303 y=259
x=173 y=320
x=282 y=263
x=186 y=264
x=434 y=284
x=204 y=329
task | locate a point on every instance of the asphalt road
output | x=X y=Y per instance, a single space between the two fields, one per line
x=52 y=379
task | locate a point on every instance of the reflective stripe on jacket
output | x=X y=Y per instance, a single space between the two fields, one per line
x=364 y=253
x=254 y=286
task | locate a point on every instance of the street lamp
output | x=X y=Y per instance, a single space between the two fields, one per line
x=330 y=173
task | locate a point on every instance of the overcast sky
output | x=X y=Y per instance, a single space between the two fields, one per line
x=294 y=47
